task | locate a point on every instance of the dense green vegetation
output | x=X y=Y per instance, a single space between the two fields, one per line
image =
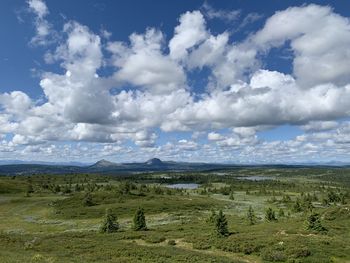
x=277 y=215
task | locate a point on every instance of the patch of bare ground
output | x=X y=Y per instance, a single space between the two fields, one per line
x=188 y=246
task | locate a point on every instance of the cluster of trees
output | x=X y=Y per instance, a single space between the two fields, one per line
x=220 y=222
x=313 y=221
x=89 y=186
x=333 y=197
x=110 y=222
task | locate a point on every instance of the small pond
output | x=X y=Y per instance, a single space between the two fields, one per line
x=183 y=186
x=256 y=178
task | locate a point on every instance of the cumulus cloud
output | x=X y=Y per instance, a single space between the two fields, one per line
x=44 y=32
x=319 y=39
x=314 y=126
x=144 y=65
x=148 y=91
x=271 y=98
x=190 y=32
x=214 y=136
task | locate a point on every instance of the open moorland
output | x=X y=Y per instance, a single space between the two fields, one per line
x=237 y=215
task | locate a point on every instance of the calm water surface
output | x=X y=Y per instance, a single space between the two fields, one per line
x=256 y=178
x=183 y=186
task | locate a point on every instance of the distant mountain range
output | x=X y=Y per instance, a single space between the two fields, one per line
x=6 y=162
x=107 y=167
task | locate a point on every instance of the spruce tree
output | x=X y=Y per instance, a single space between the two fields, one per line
x=325 y=202
x=297 y=206
x=139 y=220
x=232 y=196
x=342 y=199
x=270 y=215
x=212 y=218
x=87 y=201
x=251 y=216
x=30 y=188
x=313 y=222
x=221 y=224
x=281 y=212
x=110 y=223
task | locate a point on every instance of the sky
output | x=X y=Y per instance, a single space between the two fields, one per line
x=246 y=82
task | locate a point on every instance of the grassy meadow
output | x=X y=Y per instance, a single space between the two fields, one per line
x=47 y=218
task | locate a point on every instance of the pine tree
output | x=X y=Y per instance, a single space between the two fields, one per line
x=297 y=206
x=221 y=224
x=139 y=220
x=342 y=199
x=231 y=197
x=270 y=215
x=77 y=188
x=87 y=201
x=57 y=188
x=251 y=216
x=212 y=218
x=308 y=205
x=314 y=223
x=325 y=202
x=281 y=212
x=110 y=223
x=30 y=188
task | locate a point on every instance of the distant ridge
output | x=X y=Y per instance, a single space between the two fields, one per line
x=152 y=165
x=103 y=163
x=154 y=161
x=19 y=162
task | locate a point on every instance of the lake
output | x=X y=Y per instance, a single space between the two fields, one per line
x=256 y=178
x=183 y=186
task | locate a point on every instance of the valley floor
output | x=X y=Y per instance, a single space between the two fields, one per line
x=47 y=219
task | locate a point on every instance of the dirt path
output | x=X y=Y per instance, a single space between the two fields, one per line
x=188 y=246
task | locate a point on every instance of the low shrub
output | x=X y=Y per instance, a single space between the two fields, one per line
x=273 y=255
x=171 y=242
x=154 y=239
x=201 y=244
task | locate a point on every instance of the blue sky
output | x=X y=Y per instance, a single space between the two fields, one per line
x=214 y=81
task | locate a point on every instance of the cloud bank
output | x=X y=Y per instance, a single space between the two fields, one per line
x=117 y=98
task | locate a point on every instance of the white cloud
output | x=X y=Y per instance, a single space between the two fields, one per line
x=16 y=103
x=226 y=15
x=147 y=91
x=143 y=64
x=210 y=52
x=314 y=126
x=214 y=136
x=272 y=98
x=44 y=32
x=39 y=7
x=320 y=40
x=190 y=32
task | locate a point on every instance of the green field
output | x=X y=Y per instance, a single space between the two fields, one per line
x=50 y=218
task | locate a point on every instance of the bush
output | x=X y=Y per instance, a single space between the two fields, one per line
x=273 y=255
x=300 y=252
x=239 y=246
x=249 y=248
x=154 y=239
x=171 y=242
x=201 y=245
